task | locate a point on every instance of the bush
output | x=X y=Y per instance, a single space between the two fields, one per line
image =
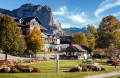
x=86 y=68
x=89 y=67
x=110 y=61
x=14 y=70
x=35 y=70
x=19 y=68
x=114 y=63
x=93 y=68
x=102 y=68
x=98 y=68
x=76 y=68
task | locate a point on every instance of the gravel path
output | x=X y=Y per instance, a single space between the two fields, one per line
x=103 y=75
x=9 y=57
x=48 y=56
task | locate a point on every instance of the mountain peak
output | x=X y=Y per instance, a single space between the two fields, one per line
x=44 y=13
x=27 y=4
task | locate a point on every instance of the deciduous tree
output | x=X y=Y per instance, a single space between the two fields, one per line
x=107 y=38
x=91 y=29
x=108 y=24
x=113 y=50
x=35 y=42
x=80 y=38
x=91 y=41
x=11 y=40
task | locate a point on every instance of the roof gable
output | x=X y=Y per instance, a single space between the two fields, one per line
x=77 y=48
x=28 y=19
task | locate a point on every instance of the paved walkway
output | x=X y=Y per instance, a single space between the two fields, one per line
x=103 y=75
x=9 y=57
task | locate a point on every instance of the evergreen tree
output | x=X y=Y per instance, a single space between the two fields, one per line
x=11 y=40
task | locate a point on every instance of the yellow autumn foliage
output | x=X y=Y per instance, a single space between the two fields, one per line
x=35 y=41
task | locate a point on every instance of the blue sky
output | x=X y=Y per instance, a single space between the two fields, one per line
x=73 y=13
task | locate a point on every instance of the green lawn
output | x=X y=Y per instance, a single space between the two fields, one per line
x=47 y=75
x=51 y=65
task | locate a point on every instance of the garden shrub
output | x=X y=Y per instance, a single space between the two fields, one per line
x=114 y=63
x=18 y=68
x=89 y=67
x=86 y=68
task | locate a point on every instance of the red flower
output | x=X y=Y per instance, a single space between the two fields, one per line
x=35 y=70
x=102 y=68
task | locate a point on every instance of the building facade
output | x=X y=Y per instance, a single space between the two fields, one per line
x=27 y=25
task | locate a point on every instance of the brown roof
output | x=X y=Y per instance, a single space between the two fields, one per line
x=77 y=48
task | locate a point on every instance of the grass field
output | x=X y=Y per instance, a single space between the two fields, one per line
x=51 y=65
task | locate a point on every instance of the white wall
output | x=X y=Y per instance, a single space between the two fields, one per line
x=35 y=24
x=54 y=46
x=64 y=45
x=58 y=41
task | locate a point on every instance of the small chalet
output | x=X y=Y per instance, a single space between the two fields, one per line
x=78 y=51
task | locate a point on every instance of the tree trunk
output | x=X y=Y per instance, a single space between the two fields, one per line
x=5 y=56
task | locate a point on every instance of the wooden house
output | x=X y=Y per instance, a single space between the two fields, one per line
x=78 y=51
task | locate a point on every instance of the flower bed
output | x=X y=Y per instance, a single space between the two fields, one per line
x=83 y=67
x=18 y=68
x=33 y=60
x=113 y=62
x=2 y=63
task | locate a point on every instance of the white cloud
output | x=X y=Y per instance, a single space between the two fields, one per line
x=61 y=11
x=65 y=25
x=78 y=18
x=116 y=14
x=105 y=5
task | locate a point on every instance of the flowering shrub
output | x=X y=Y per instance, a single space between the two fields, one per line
x=102 y=68
x=14 y=70
x=2 y=63
x=86 y=68
x=76 y=68
x=8 y=63
x=5 y=69
x=35 y=70
x=33 y=60
x=18 y=68
x=98 y=68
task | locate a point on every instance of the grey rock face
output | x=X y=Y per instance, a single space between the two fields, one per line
x=44 y=13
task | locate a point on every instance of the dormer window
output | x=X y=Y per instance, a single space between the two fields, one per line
x=20 y=21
